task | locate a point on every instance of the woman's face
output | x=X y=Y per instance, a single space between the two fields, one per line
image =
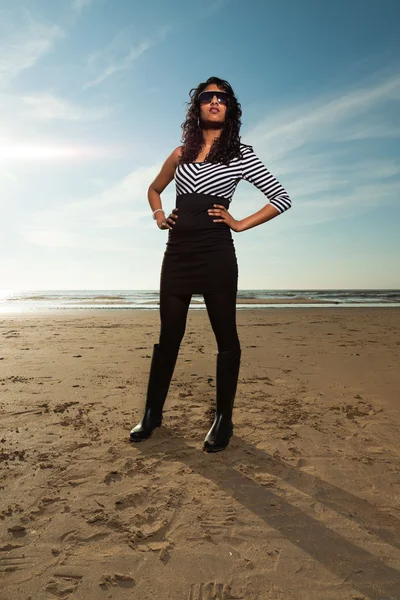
x=213 y=111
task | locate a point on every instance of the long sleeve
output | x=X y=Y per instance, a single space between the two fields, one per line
x=257 y=173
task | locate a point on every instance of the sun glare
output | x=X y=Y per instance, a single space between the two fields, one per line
x=37 y=152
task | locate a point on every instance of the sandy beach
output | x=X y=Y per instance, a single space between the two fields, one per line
x=304 y=504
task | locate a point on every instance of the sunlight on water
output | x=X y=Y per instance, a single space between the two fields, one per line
x=44 y=300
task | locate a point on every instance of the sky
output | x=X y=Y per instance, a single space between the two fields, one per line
x=92 y=97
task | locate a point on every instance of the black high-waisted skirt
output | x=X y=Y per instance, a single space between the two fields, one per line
x=200 y=255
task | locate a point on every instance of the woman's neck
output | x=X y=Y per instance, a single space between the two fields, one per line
x=210 y=131
x=209 y=137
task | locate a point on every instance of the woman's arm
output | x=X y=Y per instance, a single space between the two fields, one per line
x=257 y=173
x=159 y=184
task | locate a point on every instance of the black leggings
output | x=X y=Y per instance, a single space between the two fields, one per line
x=221 y=310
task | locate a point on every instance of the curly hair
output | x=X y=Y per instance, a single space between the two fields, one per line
x=227 y=145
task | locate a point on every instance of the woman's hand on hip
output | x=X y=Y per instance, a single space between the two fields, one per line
x=169 y=222
x=223 y=215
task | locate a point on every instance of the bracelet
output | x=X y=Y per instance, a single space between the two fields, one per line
x=157 y=209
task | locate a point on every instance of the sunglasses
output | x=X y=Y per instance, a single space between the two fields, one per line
x=207 y=96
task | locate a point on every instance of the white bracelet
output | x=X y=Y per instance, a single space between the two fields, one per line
x=157 y=209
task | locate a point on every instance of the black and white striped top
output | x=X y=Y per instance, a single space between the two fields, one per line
x=221 y=180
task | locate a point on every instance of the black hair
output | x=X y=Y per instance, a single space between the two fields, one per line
x=227 y=145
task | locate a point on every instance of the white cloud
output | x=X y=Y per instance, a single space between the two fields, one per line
x=322 y=119
x=310 y=149
x=46 y=106
x=59 y=238
x=130 y=190
x=79 y=223
x=80 y=4
x=370 y=131
x=24 y=135
x=8 y=182
x=24 y=40
x=116 y=57
x=208 y=10
x=23 y=44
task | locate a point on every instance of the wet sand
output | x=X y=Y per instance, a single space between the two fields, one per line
x=304 y=504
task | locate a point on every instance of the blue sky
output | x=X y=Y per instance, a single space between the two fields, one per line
x=92 y=98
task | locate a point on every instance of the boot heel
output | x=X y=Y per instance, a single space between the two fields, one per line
x=228 y=365
x=141 y=433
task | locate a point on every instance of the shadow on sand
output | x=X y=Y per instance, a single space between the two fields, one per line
x=354 y=565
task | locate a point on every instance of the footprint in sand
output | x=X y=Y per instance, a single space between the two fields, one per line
x=17 y=531
x=211 y=591
x=119 y=579
x=14 y=559
x=220 y=522
x=11 y=334
x=112 y=477
x=63 y=585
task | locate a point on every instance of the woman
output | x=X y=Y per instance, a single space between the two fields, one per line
x=200 y=255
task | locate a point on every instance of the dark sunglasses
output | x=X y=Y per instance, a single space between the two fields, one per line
x=207 y=96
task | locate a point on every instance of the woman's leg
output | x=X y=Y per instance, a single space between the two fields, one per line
x=173 y=316
x=222 y=313
x=221 y=310
x=173 y=313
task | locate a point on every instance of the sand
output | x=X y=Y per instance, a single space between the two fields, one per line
x=304 y=504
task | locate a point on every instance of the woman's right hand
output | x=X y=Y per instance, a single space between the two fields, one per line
x=169 y=222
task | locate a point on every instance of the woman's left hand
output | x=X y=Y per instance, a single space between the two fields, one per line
x=223 y=215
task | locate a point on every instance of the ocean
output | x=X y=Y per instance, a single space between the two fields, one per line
x=43 y=300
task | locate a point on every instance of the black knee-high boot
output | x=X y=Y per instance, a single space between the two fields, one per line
x=161 y=371
x=228 y=365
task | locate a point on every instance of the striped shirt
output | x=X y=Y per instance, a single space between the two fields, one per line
x=221 y=180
